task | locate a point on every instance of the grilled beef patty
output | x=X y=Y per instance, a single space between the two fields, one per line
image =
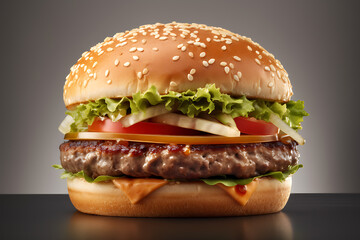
x=176 y=161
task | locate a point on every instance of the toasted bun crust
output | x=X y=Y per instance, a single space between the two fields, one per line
x=186 y=199
x=176 y=57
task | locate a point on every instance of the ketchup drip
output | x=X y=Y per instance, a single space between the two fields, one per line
x=240 y=189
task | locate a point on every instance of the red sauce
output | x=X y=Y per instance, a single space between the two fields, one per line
x=240 y=189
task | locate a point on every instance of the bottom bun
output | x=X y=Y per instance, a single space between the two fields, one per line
x=178 y=199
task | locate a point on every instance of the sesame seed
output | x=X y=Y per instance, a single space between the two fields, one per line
x=116 y=62
x=193 y=71
x=203 y=45
x=145 y=71
x=227 y=69
x=108 y=81
x=231 y=65
x=191 y=54
x=91 y=58
x=237 y=58
x=190 y=42
x=157 y=36
x=135 y=58
x=250 y=49
x=223 y=48
x=95 y=63
x=271 y=84
x=139 y=75
x=208 y=39
x=260 y=57
x=182 y=35
x=107 y=72
x=205 y=63
x=236 y=77
x=212 y=60
x=197 y=44
x=140 y=49
x=278 y=73
x=126 y=64
x=223 y=64
x=202 y=54
x=228 y=41
x=190 y=77
x=76 y=77
x=155 y=49
x=94 y=76
x=272 y=68
x=163 y=38
x=109 y=49
x=133 y=49
x=239 y=74
x=143 y=41
x=175 y=58
x=180 y=45
x=257 y=52
x=272 y=74
x=257 y=61
x=173 y=84
x=134 y=40
x=88 y=71
x=267 y=68
x=183 y=48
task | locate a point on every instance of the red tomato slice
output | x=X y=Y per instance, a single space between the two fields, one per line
x=255 y=127
x=139 y=128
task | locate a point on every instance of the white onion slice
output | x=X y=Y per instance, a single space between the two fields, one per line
x=226 y=119
x=276 y=120
x=64 y=126
x=150 y=112
x=197 y=124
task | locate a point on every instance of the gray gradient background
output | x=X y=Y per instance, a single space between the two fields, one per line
x=317 y=42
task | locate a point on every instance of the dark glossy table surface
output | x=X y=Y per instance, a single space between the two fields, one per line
x=306 y=216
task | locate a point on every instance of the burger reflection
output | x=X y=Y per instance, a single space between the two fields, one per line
x=270 y=226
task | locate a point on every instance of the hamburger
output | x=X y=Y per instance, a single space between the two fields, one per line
x=179 y=120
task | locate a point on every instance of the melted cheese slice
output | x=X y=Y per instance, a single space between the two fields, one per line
x=138 y=188
x=242 y=199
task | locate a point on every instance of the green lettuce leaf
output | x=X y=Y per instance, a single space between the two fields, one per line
x=292 y=112
x=230 y=182
x=82 y=174
x=208 y=100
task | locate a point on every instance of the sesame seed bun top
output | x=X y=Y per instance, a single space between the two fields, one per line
x=176 y=57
